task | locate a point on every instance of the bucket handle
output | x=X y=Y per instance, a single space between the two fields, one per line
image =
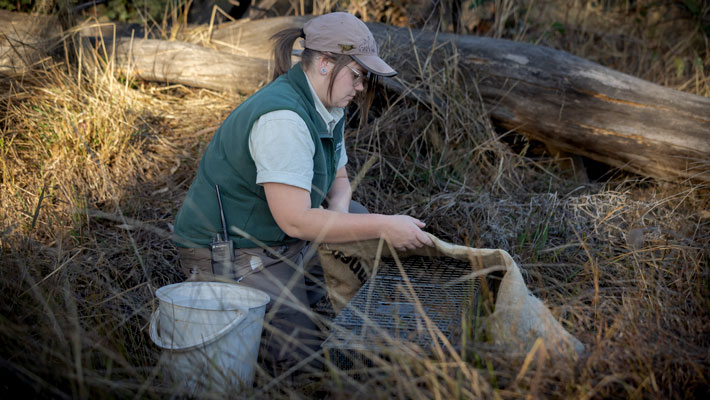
x=216 y=336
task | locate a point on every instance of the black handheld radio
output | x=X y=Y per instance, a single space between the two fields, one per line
x=221 y=248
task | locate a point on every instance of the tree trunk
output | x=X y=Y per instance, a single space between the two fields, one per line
x=568 y=102
x=251 y=38
x=191 y=64
x=579 y=106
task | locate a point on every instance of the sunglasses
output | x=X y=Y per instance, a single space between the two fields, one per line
x=358 y=77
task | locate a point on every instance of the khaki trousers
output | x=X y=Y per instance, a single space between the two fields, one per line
x=293 y=280
x=289 y=333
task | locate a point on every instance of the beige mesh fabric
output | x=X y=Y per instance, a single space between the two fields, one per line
x=519 y=319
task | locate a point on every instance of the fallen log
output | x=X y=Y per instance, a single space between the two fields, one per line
x=173 y=62
x=190 y=64
x=251 y=37
x=581 y=107
x=568 y=102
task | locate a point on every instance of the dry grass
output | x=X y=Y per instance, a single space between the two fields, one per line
x=94 y=168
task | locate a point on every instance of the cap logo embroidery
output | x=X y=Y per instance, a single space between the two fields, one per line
x=367 y=46
x=346 y=47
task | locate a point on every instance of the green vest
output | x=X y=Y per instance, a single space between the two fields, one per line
x=227 y=162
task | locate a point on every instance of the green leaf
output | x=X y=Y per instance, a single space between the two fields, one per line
x=693 y=6
x=559 y=27
x=7 y=5
x=679 y=64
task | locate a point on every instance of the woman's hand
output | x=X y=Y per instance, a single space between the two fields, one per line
x=405 y=232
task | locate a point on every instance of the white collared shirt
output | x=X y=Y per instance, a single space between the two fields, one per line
x=282 y=148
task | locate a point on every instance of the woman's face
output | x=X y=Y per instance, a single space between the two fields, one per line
x=349 y=80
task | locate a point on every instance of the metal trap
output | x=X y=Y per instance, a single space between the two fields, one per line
x=414 y=306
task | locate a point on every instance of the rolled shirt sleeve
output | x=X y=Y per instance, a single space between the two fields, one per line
x=282 y=149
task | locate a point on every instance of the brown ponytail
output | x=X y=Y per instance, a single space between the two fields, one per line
x=283 y=48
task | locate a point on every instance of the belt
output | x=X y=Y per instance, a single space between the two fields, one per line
x=249 y=261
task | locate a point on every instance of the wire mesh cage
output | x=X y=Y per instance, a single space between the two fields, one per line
x=419 y=303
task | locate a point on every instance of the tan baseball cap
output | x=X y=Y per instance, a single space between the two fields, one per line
x=343 y=33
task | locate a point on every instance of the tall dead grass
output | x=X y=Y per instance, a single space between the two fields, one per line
x=78 y=145
x=94 y=167
x=623 y=265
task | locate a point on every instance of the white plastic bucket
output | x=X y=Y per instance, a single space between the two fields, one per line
x=209 y=333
